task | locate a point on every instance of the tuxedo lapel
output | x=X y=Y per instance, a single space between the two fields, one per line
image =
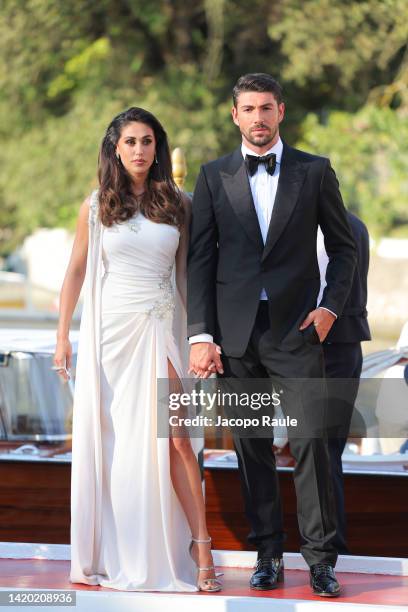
x=291 y=177
x=236 y=185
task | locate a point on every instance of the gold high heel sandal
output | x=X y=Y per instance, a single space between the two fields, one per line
x=208 y=585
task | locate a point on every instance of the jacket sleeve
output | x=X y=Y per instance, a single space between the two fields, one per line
x=202 y=262
x=364 y=260
x=338 y=241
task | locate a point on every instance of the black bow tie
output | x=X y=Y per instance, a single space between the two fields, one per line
x=252 y=162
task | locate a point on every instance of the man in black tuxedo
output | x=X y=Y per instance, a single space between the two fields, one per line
x=253 y=281
x=343 y=359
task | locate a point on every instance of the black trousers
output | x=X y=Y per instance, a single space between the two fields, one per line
x=256 y=460
x=342 y=360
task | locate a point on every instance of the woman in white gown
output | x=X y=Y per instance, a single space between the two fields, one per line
x=137 y=509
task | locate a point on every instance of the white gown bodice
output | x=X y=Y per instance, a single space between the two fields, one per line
x=138 y=258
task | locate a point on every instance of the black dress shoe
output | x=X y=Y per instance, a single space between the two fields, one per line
x=323 y=580
x=268 y=573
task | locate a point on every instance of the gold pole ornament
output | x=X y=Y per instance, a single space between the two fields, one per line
x=178 y=160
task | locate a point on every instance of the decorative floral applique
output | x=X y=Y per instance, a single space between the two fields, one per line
x=164 y=307
x=136 y=226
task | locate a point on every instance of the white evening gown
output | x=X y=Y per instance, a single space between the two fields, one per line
x=128 y=530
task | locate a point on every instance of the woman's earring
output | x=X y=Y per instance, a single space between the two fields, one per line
x=156 y=161
x=118 y=157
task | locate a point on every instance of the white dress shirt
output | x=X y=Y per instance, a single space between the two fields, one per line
x=263 y=188
x=322 y=260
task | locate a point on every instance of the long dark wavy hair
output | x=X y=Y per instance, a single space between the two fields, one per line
x=161 y=201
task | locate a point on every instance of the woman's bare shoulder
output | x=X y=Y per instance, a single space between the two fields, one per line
x=90 y=202
x=85 y=206
x=87 y=202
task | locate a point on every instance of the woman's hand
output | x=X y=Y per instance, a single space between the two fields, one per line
x=63 y=358
x=205 y=359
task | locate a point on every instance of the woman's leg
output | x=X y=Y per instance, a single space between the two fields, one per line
x=186 y=479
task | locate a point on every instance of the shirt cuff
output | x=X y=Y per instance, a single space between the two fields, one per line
x=200 y=338
x=328 y=310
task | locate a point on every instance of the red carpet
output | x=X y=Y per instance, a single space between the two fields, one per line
x=357 y=588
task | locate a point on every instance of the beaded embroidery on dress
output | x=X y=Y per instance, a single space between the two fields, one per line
x=128 y=530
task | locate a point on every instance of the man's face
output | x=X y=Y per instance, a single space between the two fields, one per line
x=258 y=116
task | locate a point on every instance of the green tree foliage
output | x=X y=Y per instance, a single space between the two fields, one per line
x=369 y=151
x=343 y=50
x=66 y=68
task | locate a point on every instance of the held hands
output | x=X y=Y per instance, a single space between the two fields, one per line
x=63 y=359
x=322 y=319
x=205 y=359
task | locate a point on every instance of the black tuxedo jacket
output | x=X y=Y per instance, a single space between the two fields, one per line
x=353 y=326
x=228 y=263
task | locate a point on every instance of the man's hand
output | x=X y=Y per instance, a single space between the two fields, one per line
x=205 y=359
x=322 y=319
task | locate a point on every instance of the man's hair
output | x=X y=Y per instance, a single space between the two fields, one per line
x=257 y=81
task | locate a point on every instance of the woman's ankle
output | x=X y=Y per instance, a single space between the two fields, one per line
x=203 y=536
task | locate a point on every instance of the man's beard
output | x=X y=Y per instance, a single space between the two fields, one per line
x=261 y=141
